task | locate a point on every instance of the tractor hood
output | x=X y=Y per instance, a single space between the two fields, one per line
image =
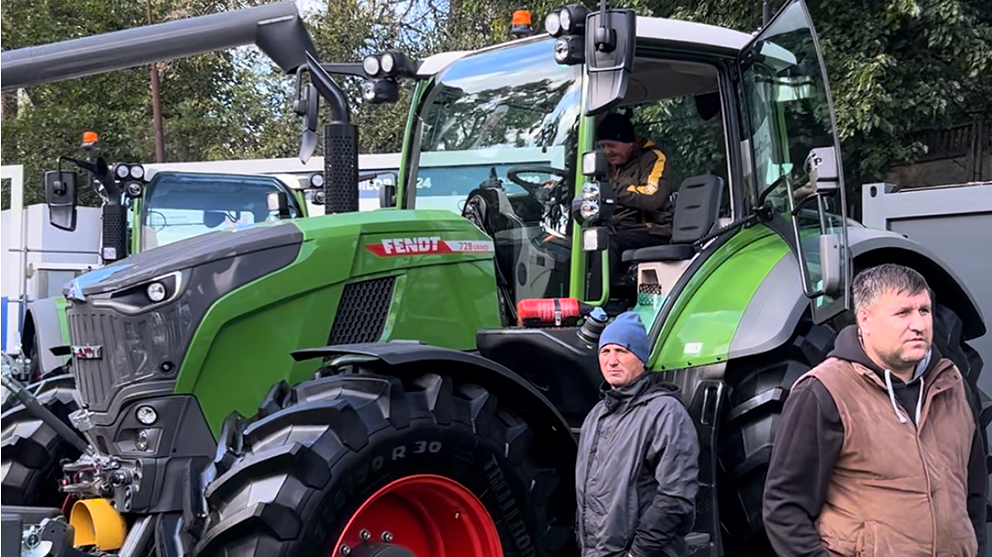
x=186 y=254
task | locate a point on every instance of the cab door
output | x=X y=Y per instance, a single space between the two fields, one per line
x=790 y=133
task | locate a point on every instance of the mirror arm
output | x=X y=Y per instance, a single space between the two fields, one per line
x=805 y=201
x=112 y=193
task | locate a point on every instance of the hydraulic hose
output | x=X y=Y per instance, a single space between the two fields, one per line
x=39 y=411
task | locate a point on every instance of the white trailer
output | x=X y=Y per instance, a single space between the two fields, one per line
x=36 y=258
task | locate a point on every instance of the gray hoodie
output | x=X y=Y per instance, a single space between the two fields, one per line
x=636 y=474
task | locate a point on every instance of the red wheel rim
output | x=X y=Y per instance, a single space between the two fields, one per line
x=430 y=516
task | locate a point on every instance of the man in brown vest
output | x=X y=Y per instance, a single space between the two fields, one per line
x=877 y=452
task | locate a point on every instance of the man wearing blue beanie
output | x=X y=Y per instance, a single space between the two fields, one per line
x=636 y=476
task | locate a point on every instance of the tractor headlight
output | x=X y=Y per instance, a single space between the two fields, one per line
x=552 y=23
x=122 y=171
x=368 y=91
x=146 y=415
x=135 y=299
x=316 y=180
x=156 y=292
x=371 y=65
x=590 y=192
x=388 y=62
x=569 y=50
x=137 y=172
x=133 y=190
x=589 y=210
x=565 y=20
x=573 y=19
x=141 y=442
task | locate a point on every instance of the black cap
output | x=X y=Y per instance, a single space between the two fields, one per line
x=616 y=127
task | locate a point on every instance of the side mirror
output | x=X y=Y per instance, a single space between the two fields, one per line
x=595 y=165
x=831 y=266
x=60 y=196
x=278 y=202
x=595 y=239
x=823 y=171
x=387 y=196
x=610 y=38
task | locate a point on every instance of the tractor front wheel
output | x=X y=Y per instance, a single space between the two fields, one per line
x=355 y=465
x=31 y=450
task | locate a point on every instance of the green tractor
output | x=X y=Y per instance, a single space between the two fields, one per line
x=410 y=381
x=142 y=208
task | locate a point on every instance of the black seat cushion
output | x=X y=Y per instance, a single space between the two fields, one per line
x=671 y=252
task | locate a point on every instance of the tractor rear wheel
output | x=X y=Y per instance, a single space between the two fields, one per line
x=759 y=386
x=374 y=465
x=31 y=451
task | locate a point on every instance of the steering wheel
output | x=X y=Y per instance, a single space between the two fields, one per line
x=513 y=175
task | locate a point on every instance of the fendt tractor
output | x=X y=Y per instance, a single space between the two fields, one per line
x=410 y=381
x=141 y=209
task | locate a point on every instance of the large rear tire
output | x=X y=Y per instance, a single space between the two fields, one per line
x=759 y=386
x=30 y=451
x=361 y=452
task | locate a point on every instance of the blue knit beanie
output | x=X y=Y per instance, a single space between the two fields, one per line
x=628 y=331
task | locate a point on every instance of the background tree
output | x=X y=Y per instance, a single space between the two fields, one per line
x=210 y=106
x=895 y=66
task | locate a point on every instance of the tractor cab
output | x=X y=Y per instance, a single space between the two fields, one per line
x=745 y=124
x=144 y=208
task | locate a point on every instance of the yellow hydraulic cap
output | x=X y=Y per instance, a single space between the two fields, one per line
x=98 y=524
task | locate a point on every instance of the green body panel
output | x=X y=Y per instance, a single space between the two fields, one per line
x=705 y=317
x=134 y=223
x=242 y=347
x=577 y=273
x=411 y=124
x=63 y=322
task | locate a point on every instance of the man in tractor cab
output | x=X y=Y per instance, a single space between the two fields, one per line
x=639 y=178
x=637 y=468
x=877 y=451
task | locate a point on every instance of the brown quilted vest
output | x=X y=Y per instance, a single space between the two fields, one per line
x=898 y=490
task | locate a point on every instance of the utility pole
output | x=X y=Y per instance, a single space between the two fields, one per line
x=156 y=102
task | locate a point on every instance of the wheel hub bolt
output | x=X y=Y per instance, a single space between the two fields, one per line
x=365 y=534
x=345 y=549
x=387 y=537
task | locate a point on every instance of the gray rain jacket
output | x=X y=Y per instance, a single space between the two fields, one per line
x=637 y=472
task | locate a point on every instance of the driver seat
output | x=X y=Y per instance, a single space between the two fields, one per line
x=490 y=210
x=697 y=210
x=697 y=213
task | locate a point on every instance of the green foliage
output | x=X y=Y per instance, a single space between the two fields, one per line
x=210 y=104
x=895 y=66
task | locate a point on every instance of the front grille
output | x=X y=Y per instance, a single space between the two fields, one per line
x=134 y=348
x=362 y=313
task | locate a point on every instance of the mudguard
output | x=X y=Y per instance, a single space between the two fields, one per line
x=45 y=327
x=774 y=311
x=500 y=380
x=872 y=247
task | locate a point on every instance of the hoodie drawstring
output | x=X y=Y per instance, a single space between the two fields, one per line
x=892 y=397
x=919 y=404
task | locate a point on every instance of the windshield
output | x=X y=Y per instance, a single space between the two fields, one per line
x=179 y=206
x=497 y=144
x=493 y=111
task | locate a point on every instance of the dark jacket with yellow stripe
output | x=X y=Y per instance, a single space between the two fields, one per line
x=642 y=192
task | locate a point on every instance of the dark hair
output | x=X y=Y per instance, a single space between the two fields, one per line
x=871 y=283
